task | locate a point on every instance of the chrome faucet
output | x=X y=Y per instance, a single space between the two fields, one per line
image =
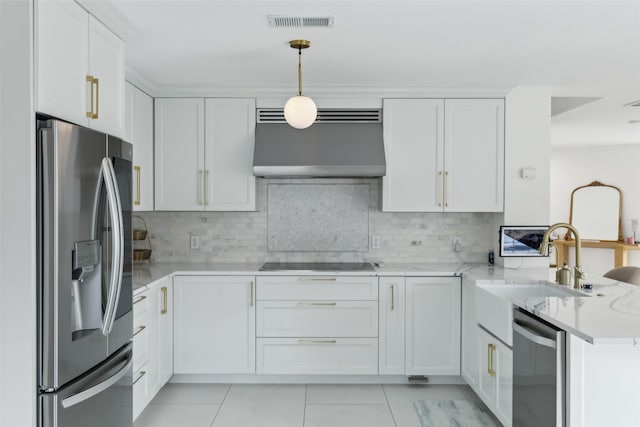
x=578 y=274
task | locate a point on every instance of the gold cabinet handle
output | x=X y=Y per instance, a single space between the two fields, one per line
x=446 y=189
x=143 y=297
x=165 y=297
x=137 y=200
x=440 y=188
x=251 y=294
x=490 y=349
x=200 y=187
x=317 y=341
x=93 y=83
x=316 y=279
x=393 y=296
x=206 y=187
x=97 y=82
x=317 y=304
x=142 y=374
x=140 y=329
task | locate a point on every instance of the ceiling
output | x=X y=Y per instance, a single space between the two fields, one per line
x=578 y=48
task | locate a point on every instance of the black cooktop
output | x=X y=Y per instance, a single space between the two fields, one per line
x=318 y=266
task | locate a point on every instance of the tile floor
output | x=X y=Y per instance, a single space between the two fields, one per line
x=293 y=405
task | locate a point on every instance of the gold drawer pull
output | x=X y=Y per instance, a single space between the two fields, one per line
x=143 y=297
x=440 y=188
x=317 y=304
x=393 y=296
x=142 y=374
x=317 y=279
x=140 y=329
x=93 y=82
x=137 y=200
x=251 y=294
x=317 y=341
x=490 y=349
x=165 y=306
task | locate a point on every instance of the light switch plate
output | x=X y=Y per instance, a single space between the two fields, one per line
x=195 y=242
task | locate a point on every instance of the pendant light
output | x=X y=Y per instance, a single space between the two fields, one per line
x=300 y=111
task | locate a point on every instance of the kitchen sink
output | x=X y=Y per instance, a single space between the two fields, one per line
x=494 y=303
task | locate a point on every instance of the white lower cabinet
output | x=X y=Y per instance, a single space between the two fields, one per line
x=391 y=313
x=432 y=325
x=214 y=324
x=152 y=343
x=317 y=356
x=495 y=380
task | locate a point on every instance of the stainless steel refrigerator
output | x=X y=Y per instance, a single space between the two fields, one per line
x=84 y=277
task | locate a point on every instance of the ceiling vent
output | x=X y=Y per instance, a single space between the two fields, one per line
x=279 y=21
x=633 y=104
x=276 y=115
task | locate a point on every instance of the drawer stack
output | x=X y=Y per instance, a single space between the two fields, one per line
x=141 y=320
x=317 y=325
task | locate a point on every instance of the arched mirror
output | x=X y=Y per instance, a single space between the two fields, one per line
x=595 y=212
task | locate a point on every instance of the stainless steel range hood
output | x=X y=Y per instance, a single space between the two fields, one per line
x=342 y=143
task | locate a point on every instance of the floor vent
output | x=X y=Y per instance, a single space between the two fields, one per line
x=276 y=115
x=280 y=21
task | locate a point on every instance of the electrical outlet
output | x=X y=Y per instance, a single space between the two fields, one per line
x=194 y=242
x=457 y=244
x=375 y=242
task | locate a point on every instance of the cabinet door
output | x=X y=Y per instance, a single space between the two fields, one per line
x=469 y=365
x=474 y=155
x=139 y=132
x=487 y=355
x=214 y=324
x=391 y=333
x=106 y=63
x=62 y=60
x=165 y=332
x=433 y=325
x=230 y=134
x=179 y=154
x=504 y=384
x=413 y=143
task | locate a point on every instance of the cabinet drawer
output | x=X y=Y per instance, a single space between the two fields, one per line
x=140 y=391
x=321 y=287
x=140 y=346
x=317 y=356
x=317 y=319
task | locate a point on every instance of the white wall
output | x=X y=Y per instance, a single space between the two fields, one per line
x=616 y=165
x=527 y=145
x=17 y=220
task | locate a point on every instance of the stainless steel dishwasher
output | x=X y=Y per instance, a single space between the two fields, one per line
x=539 y=385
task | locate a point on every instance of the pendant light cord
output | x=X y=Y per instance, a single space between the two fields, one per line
x=299 y=71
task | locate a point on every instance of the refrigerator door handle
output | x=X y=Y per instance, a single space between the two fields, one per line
x=115 y=212
x=98 y=388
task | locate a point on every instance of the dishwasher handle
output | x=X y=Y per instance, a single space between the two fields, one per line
x=532 y=336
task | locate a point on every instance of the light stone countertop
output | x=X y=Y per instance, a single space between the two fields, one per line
x=611 y=315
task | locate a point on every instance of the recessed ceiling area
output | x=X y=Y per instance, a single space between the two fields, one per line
x=578 y=48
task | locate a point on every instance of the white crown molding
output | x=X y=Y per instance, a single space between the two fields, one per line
x=327 y=92
x=140 y=81
x=105 y=12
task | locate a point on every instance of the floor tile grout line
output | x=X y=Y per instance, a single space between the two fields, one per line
x=393 y=417
x=304 y=410
x=220 y=407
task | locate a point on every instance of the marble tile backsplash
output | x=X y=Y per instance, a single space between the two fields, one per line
x=242 y=237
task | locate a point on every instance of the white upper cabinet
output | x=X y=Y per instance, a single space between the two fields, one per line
x=179 y=154
x=195 y=173
x=79 y=67
x=106 y=65
x=139 y=132
x=443 y=155
x=229 y=140
x=413 y=142
x=474 y=155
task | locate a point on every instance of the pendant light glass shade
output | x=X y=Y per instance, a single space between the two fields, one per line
x=300 y=112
